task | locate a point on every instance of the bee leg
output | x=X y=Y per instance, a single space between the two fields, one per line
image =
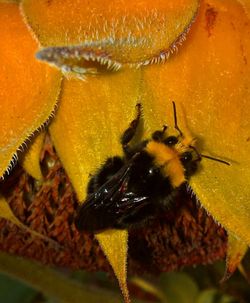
x=131 y=130
x=158 y=135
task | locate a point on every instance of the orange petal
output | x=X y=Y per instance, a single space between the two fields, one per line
x=29 y=89
x=246 y=6
x=128 y=32
x=235 y=253
x=209 y=80
x=31 y=160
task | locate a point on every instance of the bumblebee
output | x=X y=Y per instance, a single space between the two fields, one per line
x=129 y=190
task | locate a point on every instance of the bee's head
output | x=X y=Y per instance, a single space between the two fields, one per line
x=186 y=152
x=183 y=146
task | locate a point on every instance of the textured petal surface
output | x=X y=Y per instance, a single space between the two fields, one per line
x=29 y=89
x=209 y=80
x=128 y=31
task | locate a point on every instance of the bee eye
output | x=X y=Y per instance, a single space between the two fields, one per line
x=186 y=157
x=171 y=140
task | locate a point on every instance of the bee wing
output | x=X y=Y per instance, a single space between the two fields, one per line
x=112 y=204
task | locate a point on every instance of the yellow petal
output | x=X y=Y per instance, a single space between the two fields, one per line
x=86 y=130
x=209 y=80
x=128 y=31
x=29 y=89
x=150 y=288
x=114 y=243
x=235 y=252
x=31 y=160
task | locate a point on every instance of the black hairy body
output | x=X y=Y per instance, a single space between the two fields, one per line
x=140 y=193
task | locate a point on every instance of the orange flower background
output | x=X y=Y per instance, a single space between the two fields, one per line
x=208 y=78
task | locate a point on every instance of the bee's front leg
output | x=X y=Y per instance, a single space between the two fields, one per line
x=130 y=131
x=158 y=135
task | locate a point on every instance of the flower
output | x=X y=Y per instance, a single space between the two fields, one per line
x=208 y=78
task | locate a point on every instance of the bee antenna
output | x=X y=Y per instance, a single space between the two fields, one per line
x=215 y=159
x=175 y=119
x=196 y=151
x=207 y=157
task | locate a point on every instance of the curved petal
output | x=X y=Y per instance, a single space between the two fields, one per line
x=210 y=78
x=29 y=89
x=127 y=31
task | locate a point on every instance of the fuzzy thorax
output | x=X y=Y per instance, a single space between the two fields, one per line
x=167 y=158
